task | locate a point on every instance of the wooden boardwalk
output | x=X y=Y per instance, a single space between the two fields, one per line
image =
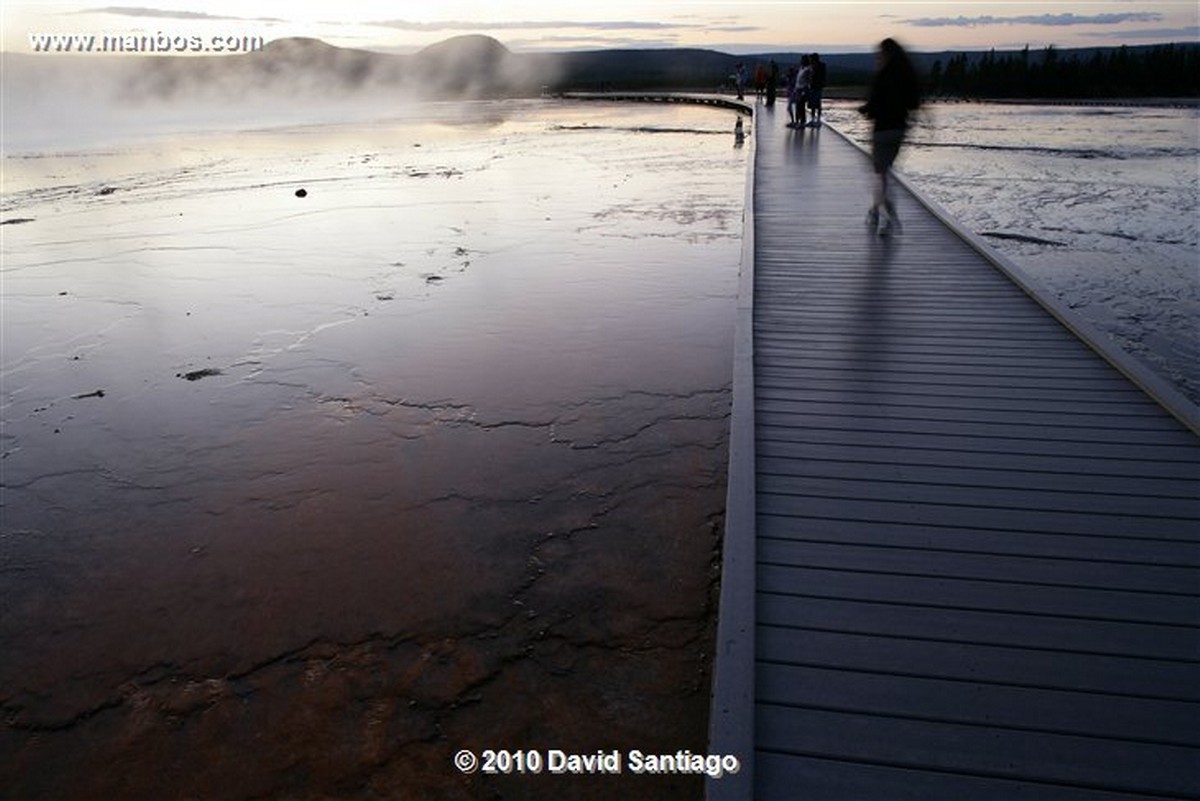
x=962 y=556
x=695 y=99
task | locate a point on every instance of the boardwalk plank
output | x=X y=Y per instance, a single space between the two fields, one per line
x=964 y=624
x=778 y=535
x=1119 y=396
x=948 y=411
x=985 y=751
x=888 y=584
x=1169 y=459
x=846 y=376
x=825 y=779
x=922 y=486
x=1074 y=568
x=855 y=503
x=906 y=421
x=1057 y=473
x=1118 y=718
x=993 y=664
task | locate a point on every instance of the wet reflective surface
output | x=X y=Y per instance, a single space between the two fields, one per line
x=1098 y=203
x=303 y=494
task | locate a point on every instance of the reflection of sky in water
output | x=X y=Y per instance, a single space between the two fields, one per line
x=1114 y=191
x=448 y=234
x=468 y=390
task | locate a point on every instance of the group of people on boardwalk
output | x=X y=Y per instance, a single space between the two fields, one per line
x=805 y=87
x=894 y=94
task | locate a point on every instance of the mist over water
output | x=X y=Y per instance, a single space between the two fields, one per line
x=89 y=101
x=84 y=103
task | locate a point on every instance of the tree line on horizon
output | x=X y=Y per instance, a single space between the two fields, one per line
x=1168 y=70
x=1138 y=71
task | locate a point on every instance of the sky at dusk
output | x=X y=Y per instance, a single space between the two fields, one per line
x=733 y=27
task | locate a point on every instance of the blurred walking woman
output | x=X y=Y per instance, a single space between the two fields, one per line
x=895 y=91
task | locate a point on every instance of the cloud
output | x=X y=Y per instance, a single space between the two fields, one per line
x=536 y=25
x=566 y=43
x=456 y=25
x=160 y=13
x=1050 y=20
x=1187 y=34
x=558 y=35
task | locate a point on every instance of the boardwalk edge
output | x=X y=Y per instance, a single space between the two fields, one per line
x=731 y=717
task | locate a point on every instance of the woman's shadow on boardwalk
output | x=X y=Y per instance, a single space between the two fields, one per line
x=877 y=313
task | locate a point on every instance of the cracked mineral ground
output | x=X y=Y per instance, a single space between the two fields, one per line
x=304 y=492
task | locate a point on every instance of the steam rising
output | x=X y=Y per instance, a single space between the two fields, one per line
x=74 y=100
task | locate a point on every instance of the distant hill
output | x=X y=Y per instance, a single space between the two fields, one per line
x=642 y=69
